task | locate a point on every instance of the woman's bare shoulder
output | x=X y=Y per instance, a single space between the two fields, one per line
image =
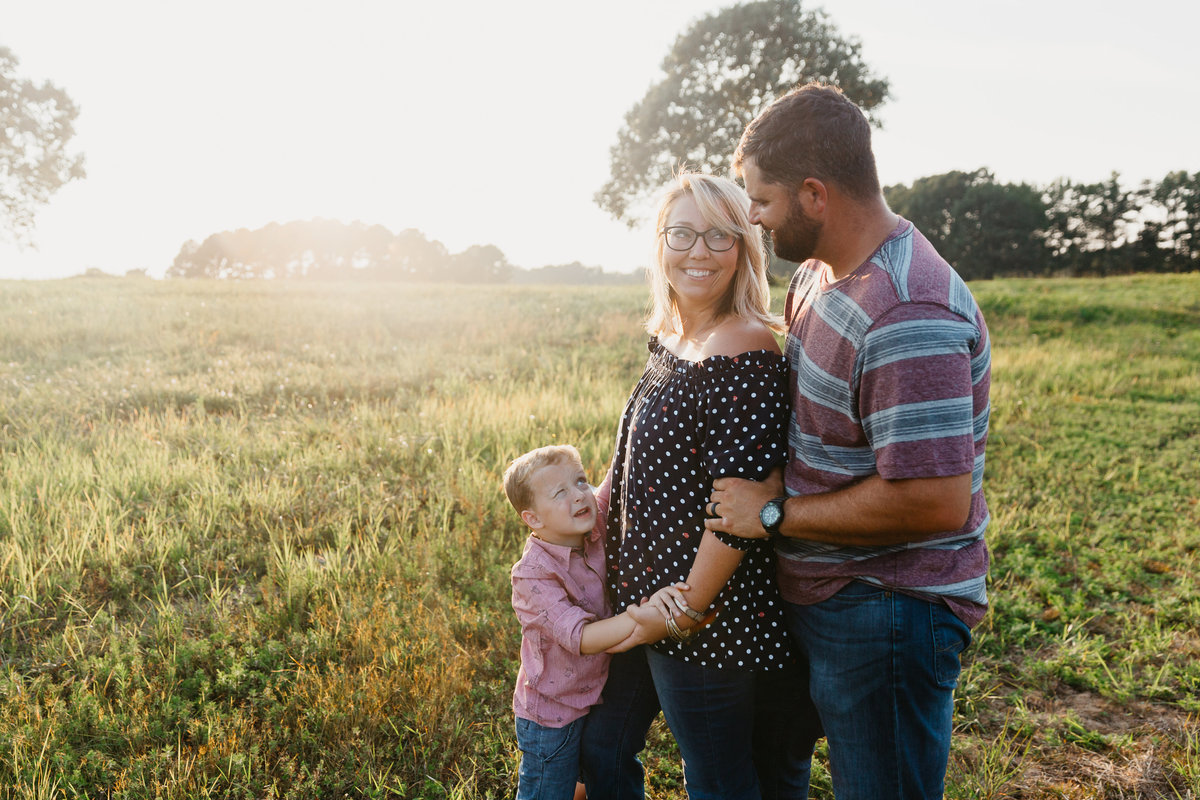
x=736 y=336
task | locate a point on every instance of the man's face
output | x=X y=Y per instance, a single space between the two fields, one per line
x=794 y=235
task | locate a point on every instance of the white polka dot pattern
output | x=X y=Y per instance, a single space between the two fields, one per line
x=686 y=424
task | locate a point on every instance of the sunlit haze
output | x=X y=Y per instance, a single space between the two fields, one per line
x=491 y=123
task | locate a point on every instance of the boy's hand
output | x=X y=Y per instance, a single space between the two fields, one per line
x=649 y=627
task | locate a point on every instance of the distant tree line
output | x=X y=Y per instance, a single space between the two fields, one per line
x=988 y=229
x=576 y=274
x=330 y=250
x=335 y=251
x=984 y=228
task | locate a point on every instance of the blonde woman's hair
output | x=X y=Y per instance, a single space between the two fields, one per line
x=724 y=206
x=520 y=471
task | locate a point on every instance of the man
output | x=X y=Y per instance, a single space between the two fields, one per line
x=879 y=516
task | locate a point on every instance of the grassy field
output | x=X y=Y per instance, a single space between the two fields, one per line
x=252 y=541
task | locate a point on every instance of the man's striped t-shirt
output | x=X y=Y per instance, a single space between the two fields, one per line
x=890 y=368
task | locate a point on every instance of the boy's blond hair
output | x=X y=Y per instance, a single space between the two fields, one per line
x=519 y=472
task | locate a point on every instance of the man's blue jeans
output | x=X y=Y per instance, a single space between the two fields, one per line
x=883 y=670
x=734 y=741
x=549 y=760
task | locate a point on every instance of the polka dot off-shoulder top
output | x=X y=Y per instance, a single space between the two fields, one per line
x=687 y=423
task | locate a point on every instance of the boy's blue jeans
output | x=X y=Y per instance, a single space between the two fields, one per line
x=883 y=669
x=549 y=760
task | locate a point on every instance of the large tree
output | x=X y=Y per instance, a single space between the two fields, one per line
x=37 y=122
x=412 y=257
x=1067 y=234
x=719 y=75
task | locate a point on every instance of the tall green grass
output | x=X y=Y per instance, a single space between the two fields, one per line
x=252 y=542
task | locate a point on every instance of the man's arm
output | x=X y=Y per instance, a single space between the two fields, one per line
x=872 y=512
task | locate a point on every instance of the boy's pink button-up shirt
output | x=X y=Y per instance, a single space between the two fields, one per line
x=556 y=591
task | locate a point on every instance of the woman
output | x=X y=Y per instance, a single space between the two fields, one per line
x=710 y=403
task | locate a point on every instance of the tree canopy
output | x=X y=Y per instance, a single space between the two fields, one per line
x=718 y=76
x=982 y=227
x=38 y=123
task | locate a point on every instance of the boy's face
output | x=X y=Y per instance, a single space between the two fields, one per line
x=564 y=508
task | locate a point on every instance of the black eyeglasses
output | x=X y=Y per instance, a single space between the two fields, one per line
x=683 y=239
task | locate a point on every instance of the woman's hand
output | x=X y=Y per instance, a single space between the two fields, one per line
x=669 y=600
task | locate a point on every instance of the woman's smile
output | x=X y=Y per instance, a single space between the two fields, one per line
x=699 y=276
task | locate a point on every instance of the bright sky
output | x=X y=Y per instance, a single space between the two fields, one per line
x=480 y=122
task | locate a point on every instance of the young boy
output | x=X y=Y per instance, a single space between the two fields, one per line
x=566 y=624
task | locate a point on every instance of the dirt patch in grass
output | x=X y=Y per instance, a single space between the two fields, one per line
x=1090 y=746
x=1105 y=716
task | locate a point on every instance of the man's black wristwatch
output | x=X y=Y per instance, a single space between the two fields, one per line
x=771 y=516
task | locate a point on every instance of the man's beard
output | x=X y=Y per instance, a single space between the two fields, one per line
x=796 y=239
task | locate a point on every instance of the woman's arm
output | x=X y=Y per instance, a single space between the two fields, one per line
x=714 y=565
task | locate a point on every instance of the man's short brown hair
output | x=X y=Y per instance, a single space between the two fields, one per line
x=813 y=131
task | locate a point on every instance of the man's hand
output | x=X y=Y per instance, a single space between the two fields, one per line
x=738 y=503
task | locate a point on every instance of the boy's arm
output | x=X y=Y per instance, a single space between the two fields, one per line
x=714 y=566
x=541 y=603
x=602 y=634
x=603 y=494
x=606 y=633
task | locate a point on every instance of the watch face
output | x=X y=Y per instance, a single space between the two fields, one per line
x=771 y=514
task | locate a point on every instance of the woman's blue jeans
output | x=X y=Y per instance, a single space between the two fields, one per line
x=736 y=730
x=883 y=666
x=549 y=760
